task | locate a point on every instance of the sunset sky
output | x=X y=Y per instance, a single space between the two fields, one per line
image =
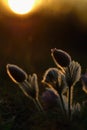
x=27 y=39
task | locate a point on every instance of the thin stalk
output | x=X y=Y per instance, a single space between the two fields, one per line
x=38 y=105
x=69 y=95
x=26 y=89
x=72 y=88
x=27 y=83
x=69 y=103
x=63 y=105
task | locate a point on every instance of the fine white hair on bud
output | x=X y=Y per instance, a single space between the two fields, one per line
x=17 y=74
x=60 y=57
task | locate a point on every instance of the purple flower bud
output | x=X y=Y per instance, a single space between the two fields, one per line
x=60 y=57
x=54 y=79
x=50 y=98
x=51 y=75
x=28 y=86
x=15 y=73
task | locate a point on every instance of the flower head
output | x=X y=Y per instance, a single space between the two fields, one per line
x=54 y=79
x=17 y=74
x=51 y=75
x=60 y=57
x=50 y=98
x=73 y=73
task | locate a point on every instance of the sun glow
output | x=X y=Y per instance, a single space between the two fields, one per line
x=21 y=6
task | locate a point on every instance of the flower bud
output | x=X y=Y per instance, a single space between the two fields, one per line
x=54 y=79
x=50 y=99
x=17 y=74
x=51 y=75
x=73 y=74
x=60 y=57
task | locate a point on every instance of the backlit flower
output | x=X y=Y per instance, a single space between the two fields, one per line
x=60 y=57
x=73 y=73
x=54 y=79
x=17 y=74
x=50 y=98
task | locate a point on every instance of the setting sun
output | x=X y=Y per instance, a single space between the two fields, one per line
x=21 y=6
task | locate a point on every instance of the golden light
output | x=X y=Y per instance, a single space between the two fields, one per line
x=21 y=6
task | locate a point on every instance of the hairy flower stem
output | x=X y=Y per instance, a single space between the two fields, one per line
x=25 y=89
x=38 y=105
x=70 y=95
x=63 y=105
x=69 y=103
x=27 y=84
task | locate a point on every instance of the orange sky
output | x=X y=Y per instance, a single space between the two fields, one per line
x=54 y=7
x=54 y=24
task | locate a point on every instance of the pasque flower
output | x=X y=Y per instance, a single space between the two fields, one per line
x=73 y=73
x=29 y=85
x=71 y=70
x=55 y=79
x=60 y=57
x=17 y=74
x=50 y=99
x=51 y=76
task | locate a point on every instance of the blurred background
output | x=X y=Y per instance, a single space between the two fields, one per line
x=26 y=40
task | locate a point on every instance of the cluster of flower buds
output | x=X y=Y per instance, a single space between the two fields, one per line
x=63 y=78
x=59 y=81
